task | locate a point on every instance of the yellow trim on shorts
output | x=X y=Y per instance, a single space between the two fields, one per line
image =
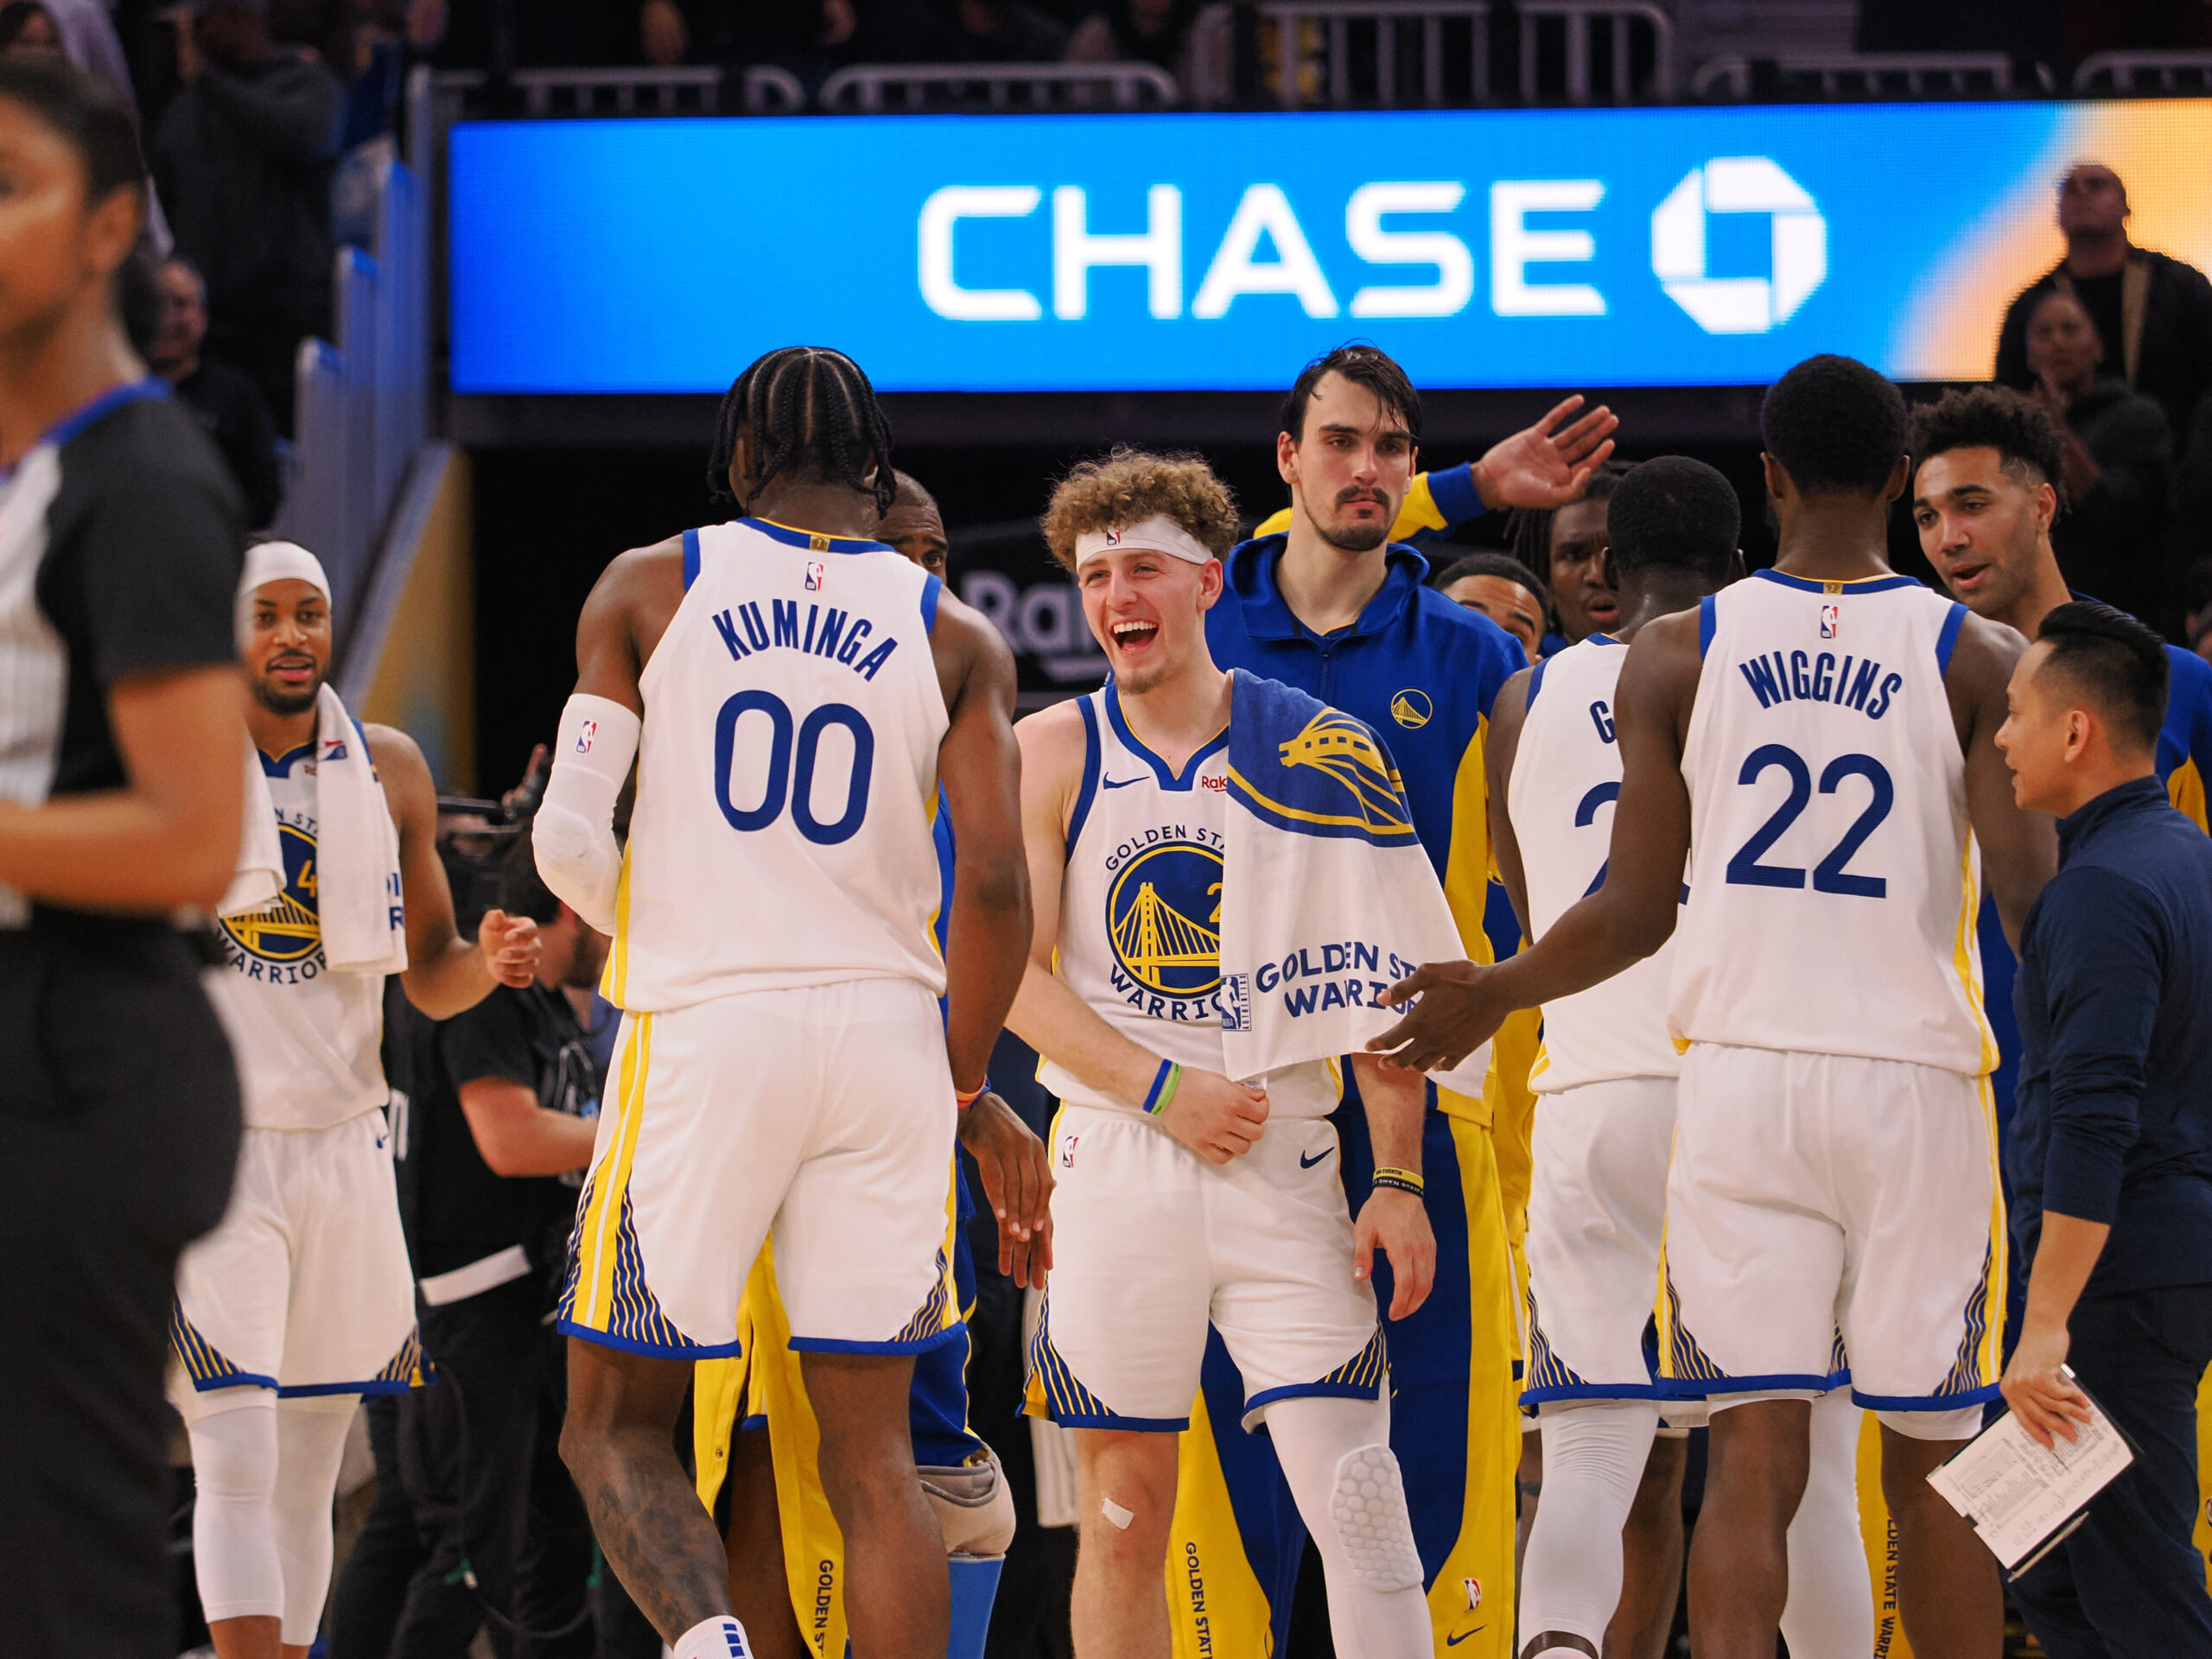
x=1963 y=957
x=615 y=978
x=598 y=1228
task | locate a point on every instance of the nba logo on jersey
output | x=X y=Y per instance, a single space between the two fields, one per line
x=1830 y=615
x=815 y=571
x=586 y=734
x=1474 y=1589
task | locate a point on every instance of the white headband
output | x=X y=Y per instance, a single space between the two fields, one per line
x=1158 y=533
x=268 y=561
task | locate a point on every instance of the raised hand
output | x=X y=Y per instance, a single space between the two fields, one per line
x=1539 y=467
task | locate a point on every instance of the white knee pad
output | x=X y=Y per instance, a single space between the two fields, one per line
x=234 y=1468
x=1368 y=1508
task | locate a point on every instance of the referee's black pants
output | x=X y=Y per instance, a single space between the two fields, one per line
x=119 y=1133
x=2130 y=1584
x=480 y=1453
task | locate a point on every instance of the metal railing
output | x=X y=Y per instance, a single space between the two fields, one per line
x=1336 y=40
x=1579 y=22
x=364 y=401
x=619 y=91
x=2137 y=72
x=868 y=87
x=769 y=90
x=1859 y=74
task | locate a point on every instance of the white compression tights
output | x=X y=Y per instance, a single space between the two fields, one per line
x=1312 y=1438
x=1593 y=1462
x=266 y=1472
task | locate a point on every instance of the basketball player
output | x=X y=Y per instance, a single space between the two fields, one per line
x=1183 y=1197
x=794 y=692
x=755 y=1435
x=1833 y=1207
x=1602 y=1140
x=303 y=1299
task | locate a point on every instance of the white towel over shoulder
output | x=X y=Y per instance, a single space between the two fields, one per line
x=1327 y=896
x=358 y=898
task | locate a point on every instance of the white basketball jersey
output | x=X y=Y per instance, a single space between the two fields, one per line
x=1833 y=878
x=1566 y=775
x=307 y=1038
x=787 y=775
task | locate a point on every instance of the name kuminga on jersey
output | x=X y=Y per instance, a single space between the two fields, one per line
x=1163 y=922
x=1780 y=677
x=828 y=632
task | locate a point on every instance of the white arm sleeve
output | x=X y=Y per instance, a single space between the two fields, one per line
x=574 y=833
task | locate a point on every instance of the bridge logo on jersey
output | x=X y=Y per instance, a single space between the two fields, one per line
x=1412 y=710
x=1163 y=917
x=290 y=930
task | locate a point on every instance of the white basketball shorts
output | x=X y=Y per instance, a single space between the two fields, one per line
x=1150 y=1242
x=1597 y=1214
x=816 y=1119
x=304 y=1286
x=1831 y=1217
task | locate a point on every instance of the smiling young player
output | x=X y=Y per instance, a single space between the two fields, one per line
x=1185 y=1198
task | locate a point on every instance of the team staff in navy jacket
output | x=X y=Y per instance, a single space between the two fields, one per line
x=1333 y=606
x=2111 y=1149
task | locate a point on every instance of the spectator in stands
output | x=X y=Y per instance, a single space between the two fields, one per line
x=1503 y=590
x=223 y=399
x=1138 y=31
x=28 y=29
x=2153 y=314
x=961 y=31
x=805 y=36
x=243 y=157
x=2116 y=458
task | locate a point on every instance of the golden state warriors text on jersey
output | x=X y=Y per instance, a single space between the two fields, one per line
x=787 y=775
x=306 y=1038
x=1163 y=920
x=1834 y=881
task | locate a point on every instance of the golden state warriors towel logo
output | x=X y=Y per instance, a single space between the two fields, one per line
x=1412 y=710
x=1163 y=914
x=1340 y=747
x=291 y=930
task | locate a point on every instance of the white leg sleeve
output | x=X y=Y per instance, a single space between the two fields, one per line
x=234 y=1461
x=1595 y=1454
x=1831 y=1610
x=1336 y=1455
x=310 y=1442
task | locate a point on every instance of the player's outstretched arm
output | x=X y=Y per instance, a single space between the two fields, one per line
x=987 y=938
x=1632 y=916
x=1538 y=467
x=1216 y=1118
x=1507 y=715
x=446 y=974
x=2019 y=849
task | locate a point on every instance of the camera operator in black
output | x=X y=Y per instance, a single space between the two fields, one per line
x=501 y=1128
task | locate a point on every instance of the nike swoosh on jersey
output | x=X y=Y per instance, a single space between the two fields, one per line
x=1304 y=1162
x=1120 y=782
x=1454 y=1641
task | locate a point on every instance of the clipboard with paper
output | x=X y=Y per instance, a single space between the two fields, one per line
x=2022 y=1499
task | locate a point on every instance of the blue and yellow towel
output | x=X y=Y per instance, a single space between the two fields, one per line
x=1327 y=896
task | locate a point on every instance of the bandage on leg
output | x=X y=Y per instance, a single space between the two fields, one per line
x=1595 y=1454
x=1336 y=1455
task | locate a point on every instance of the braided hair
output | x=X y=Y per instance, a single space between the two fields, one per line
x=812 y=413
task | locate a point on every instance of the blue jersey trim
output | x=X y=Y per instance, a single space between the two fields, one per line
x=1091 y=757
x=1949 y=637
x=656 y=1350
x=814 y=541
x=759 y=1419
x=151 y=389
x=281 y=765
x=1708 y=621
x=690 y=558
x=1854 y=584
x=1169 y=778
x=1535 y=684
x=933 y=589
x=378 y=1385
x=1114 y=1420
x=1599 y=639
x=231 y=1380
x=1313 y=1391
x=1980 y=1396
x=1590 y=1391
x=1678 y=1387
x=835 y=1345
